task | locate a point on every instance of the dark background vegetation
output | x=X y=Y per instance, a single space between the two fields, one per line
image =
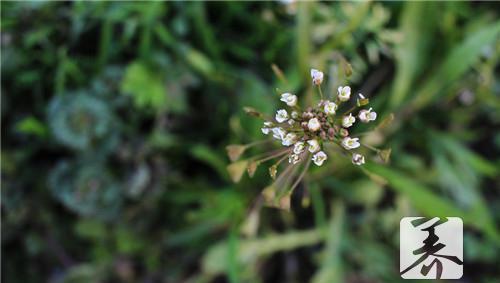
x=115 y=117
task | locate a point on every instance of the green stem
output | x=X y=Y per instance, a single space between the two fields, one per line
x=304 y=170
x=371 y=147
x=280 y=160
x=257 y=143
x=281 y=152
x=350 y=110
x=320 y=92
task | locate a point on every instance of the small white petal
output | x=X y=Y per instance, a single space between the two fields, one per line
x=330 y=107
x=358 y=159
x=344 y=93
x=348 y=121
x=367 y=115
x=285 y=95
x=289 y=99
x=289 y=139
x=313 y=146
x=281 y=116
x=278 y=133
x=293 y=158
x=350 y=143
x=298 y=147
x=319 y=158
x=267 y=127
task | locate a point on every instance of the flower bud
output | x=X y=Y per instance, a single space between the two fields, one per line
x=317 y=76
x=313 y=125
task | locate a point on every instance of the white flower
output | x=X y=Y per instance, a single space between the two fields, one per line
x=298 y=147
x=319 y=158
x=295 y=114
x=330 y=107
x=317 y=76
x=314 y=124
x=289 y=139
x=266 y=128
x=358 y=159
x=350 y=143
x=293 y=158
x=347 y=121
x=344 y=92
x=291 y=122
x=313 y=146
x=367 y=115
x=289 y=99
x=281 y=116
x=278 y=133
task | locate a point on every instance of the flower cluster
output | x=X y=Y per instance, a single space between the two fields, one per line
x=306 y=131
x=307 y=135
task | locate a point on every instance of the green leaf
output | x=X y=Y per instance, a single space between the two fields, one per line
x=303 y=37
x=430 y=204
x=164 y=35
x=84 y=273
x=145 y=86
x=192 y=233
x=459 y=60
x=90 y=229
x=199 y=61
x=318 y=205
x=32 y=125
x=248 y=251
x=422 y=198
x=476 y=161
x=232 y=258
x=411 y=53
x=330 y=270
x=210 y=157
x=127 y=242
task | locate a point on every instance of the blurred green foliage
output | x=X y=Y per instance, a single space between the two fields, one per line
x=115 y=116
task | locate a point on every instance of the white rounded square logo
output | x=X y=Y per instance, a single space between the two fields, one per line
x=431 y=248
